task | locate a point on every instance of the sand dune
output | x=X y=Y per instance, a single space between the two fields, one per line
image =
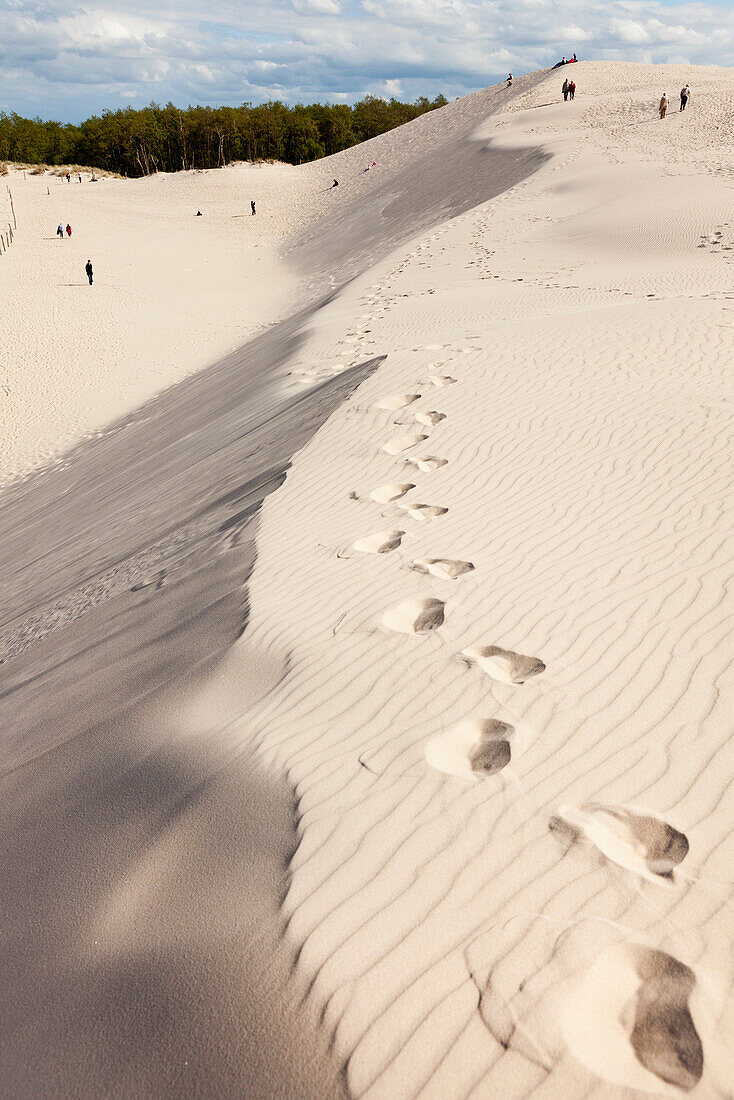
x=507 y=727
x=585 y=318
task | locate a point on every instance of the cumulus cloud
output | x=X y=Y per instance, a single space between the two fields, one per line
x=317 y=7
x=67 y=61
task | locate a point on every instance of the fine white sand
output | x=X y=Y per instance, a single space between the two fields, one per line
x=172 y=293
x=508 y=724
x=546 y=912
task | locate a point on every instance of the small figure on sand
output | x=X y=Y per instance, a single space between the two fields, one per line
x=89 y=271
x=199 y=214
x=509 y=80
x=664 y=105
x=68 y=230
x=564 y=89
x=685 y=95
x=80 y=177
x=60 y=232
x=335 y=183
x=572 y=89
x=68 y=177
x=252 y=206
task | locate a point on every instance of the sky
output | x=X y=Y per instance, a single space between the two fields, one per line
x=66 y=61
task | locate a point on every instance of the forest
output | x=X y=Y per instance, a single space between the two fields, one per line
x=139 y=142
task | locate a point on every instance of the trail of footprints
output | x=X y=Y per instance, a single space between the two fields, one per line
x=660 y=1031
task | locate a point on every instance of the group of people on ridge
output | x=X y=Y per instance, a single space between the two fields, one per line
x=685 y=95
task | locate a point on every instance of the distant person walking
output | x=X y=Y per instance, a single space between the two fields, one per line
x=68 y=177
x=335 y=183
x=572 y=89
x=80 y=177
x=252 y=206
x=89 y=271
x=60 y=232
x=68 y=230
x=664 y=105
x=509 y=80
x=685 y=95
x=564 y=89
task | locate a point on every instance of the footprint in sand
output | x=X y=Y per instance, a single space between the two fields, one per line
x=441 y=380
x=383 y=494
x=415 y=616
x=426 y=463
x=402 y=443
x=664 y=1036
x=472 y=749
x=639 y=841
x=628 y=1010
x=446 y=569
x=396 y=401
x=503 y=664
x=423 y=512
x=430 y=419
x=382 y=542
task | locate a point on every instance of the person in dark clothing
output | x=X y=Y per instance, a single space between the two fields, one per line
x=88 y=269
x=335 y=183
x=685 y=95
x=564 y=89
x=252 y=206
x=572 y=89
x=68 y=230
x=60 y=232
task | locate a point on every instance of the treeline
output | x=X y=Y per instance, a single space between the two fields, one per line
x=168 y=139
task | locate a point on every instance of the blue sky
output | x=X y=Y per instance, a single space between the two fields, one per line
x=66 y=61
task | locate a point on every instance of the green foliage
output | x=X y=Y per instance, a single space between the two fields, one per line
x=154 y=138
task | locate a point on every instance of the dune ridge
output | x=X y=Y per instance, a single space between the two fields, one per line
x=584 y=463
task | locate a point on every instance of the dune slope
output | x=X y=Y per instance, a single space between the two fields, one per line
x=147 y=848
x=513 y=779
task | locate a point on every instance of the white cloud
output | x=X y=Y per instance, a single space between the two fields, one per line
x=318 y=7
x=389 y=89
x=61 y=60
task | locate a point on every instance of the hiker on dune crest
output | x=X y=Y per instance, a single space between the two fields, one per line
x=664 y=105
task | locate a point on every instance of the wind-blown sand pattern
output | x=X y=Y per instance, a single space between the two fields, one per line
x=457 y=945
x=509 y=728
